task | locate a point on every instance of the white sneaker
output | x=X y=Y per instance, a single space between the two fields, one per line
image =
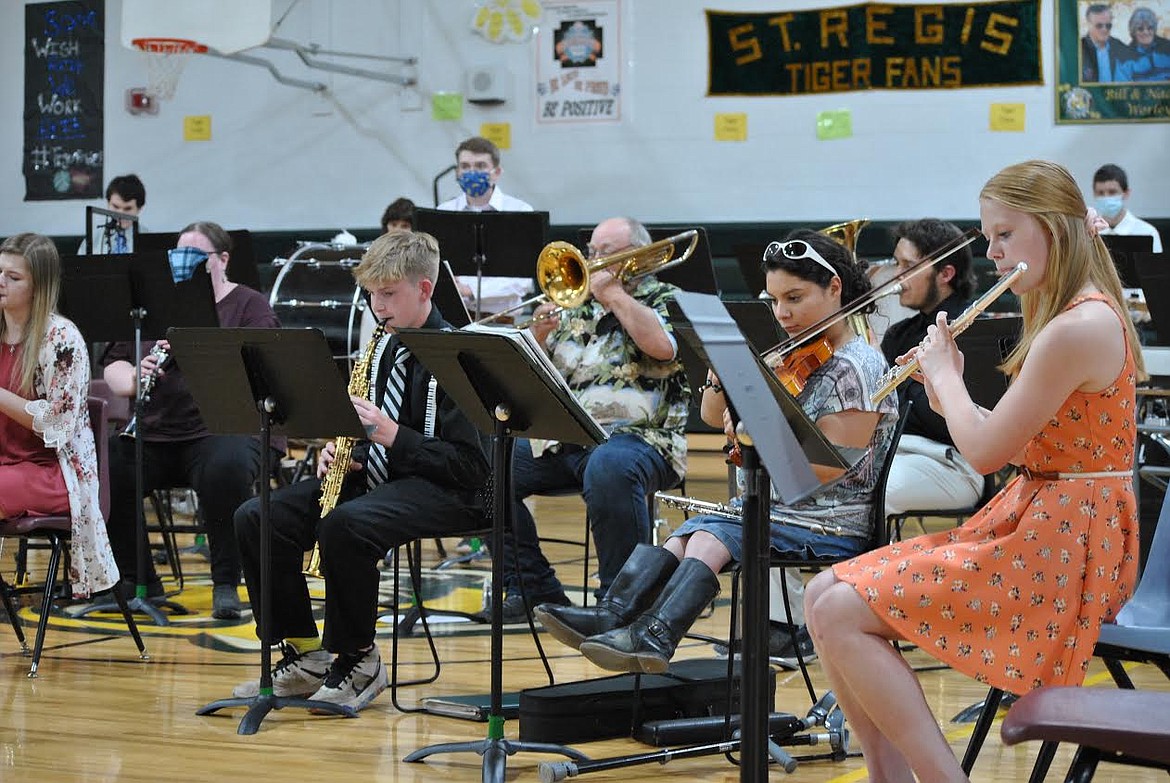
x=296 y=675
x=354 y=680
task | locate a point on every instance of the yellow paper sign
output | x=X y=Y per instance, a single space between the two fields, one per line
x=447 y=106
x=197 y=127
x=1007 y=117
x=498 y=133
x=836 y=124
x=731 y=126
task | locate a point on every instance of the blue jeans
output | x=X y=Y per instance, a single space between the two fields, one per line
x=614 y=479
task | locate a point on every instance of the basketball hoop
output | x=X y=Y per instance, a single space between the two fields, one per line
x=165 y=59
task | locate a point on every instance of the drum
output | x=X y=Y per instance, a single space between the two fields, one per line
x=314 y=287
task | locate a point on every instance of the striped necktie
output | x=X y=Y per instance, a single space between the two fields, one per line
x=378 y=462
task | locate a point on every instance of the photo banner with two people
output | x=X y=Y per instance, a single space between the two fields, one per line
x=1113 y=61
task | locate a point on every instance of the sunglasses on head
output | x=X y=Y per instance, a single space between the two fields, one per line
x=795 y=249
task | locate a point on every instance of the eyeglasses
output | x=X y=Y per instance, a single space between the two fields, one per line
x=593 y=252
x=1144 y=28
x=1103 y=25
x=795 y=249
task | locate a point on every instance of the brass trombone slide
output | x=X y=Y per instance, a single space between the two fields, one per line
x=563 y=273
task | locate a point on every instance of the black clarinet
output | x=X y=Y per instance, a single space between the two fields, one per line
x=146 y=386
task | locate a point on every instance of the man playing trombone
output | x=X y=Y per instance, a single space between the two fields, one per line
x=617 y=353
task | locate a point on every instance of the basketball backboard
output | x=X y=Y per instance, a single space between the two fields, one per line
x=227 y=26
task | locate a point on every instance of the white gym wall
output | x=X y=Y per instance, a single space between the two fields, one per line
x=285 y=158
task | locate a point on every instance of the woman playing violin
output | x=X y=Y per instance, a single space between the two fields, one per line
x=661 y=590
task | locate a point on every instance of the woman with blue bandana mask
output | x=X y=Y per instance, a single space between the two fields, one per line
x=178 y=448
x=1111 y=197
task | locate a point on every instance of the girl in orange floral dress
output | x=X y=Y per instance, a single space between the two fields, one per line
x=1014 y=597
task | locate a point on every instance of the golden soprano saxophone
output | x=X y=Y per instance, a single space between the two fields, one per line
x=359 y=386
x=893 y=379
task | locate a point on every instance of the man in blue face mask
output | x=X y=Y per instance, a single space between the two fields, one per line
x=477 y=170
x=1111 y=196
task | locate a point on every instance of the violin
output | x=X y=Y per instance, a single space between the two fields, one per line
x=793 y=373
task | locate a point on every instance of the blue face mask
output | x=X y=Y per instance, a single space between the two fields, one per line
x=475 y=183
x=1109 y=206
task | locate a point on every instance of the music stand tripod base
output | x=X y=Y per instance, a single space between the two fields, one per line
x=151 y=607
x=494 y=748
x=259 y=706
x=501 y=384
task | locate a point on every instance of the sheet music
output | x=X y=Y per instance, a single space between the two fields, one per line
x=523 y=339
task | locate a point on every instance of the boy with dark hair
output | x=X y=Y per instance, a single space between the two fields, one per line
x=399 y=215
x=1110 y=197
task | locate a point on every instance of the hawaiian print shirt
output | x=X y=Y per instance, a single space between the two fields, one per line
x=622 y=388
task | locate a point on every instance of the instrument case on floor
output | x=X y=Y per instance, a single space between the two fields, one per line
x=604 y=708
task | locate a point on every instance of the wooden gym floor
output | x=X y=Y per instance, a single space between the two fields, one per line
x=98 y=714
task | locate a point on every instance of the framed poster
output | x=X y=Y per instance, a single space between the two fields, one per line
x=1113 y=61
x=579 y=63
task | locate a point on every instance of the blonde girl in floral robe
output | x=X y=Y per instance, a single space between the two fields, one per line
x=44 y=411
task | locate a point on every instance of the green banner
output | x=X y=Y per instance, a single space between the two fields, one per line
x=874 y=46
x=1136 y=87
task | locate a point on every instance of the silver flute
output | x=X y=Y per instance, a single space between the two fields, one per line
x=727 y=512
x=145 y=387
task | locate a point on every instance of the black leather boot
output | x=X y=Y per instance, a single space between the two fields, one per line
x=632 y=591
x=647 y=644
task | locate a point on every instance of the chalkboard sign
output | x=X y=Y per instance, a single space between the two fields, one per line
x=64 y=75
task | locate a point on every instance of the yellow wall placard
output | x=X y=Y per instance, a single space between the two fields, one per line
x=731 y=126
x=197 y=127
x=1007 y=117
x=498 y=133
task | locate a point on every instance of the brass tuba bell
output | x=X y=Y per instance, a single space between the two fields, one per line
x=846 y=234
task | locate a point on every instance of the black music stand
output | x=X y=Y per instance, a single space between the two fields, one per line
x=486 y=244
x=1122 y=248
x=288 y=379
x=779 y=445
x=1153 y=271
x=507 y=387
x=133 y=296
x=108 y=227
x=446 y=297
x=985 y=344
